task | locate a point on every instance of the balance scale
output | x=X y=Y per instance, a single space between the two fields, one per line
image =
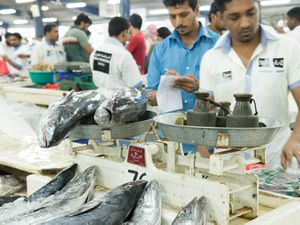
x=231 y=192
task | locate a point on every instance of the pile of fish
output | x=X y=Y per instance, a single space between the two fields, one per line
x=68 y=200
x=126 y=106
x=63 y=115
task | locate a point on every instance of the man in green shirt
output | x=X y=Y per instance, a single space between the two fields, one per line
x=76 y=44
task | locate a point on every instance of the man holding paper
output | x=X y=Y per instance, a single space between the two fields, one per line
x=179 y=55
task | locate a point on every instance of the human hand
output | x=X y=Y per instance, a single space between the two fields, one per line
x=151 y=95
x=5 y=58
x=291 y=148
x=187 y=83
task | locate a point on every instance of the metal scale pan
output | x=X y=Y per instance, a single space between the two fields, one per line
x=209 y=136
x=93 y=131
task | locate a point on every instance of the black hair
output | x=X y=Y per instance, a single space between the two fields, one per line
x=7 y=35
x=170 y=3
x=48 y=28
x=136 y=20
x=221 y=4
x=117 y=25
x=213 y=10
x=17 y=35
x=82 y=18
x=163 y=32
x=294 y=13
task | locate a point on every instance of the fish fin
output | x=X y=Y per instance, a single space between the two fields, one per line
x=85 y=208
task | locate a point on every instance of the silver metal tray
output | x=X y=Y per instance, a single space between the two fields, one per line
x=94 y=131
x=238 y=137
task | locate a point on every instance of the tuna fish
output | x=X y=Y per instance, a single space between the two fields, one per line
x=194 y=213
x=73 y=195
x=23 y=205
x=126 y=106
x=148 y=208
x=112 y=209
x=65 y=114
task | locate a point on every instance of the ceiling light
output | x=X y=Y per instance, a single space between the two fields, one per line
x=7 y=11
x=204 y=7
x=1 y=23
x=76 y=5
x=158 y=11
x=274 y=2
x=113 y=2
x=49 y=20
x=24 y=1
x=45 y=8
x=18 y=22
x=74 y=17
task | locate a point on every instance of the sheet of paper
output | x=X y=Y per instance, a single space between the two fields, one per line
x=168 y=98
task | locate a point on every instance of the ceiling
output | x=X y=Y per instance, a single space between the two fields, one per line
x=64 y=15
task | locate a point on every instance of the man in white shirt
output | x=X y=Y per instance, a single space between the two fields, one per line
x=252 y=60
x=48 y=50
x=18 y=59
x=293 y=22
x=112 y=65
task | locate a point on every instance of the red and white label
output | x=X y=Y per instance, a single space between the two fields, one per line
x=136 y=155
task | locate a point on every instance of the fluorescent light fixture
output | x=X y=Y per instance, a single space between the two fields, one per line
x=74 y=17
x=7 y=11
x=49 y=20
x=113 y=2
x=1 y=23
x=204 y=7
x=24 y=1
x=274 y=2
x=19 y=22
x=44 y=8
x=158 y=11
x=76 y=5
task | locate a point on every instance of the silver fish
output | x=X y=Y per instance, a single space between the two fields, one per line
x=73 y=195
x=23 y=205
x=112 y=209
x=126 y=106
x=148 y=208
x=194 y=213
x=64 y=114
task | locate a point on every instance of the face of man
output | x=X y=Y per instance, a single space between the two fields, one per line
x=52 y=35
x=241 y=18
x=290 y=22
x=183 y=18
x=84 y=26
x=14 y=41
x=220 y=25
x=125 y=36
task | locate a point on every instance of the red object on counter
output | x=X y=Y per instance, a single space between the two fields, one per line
x=257 y=166
x=52 y=86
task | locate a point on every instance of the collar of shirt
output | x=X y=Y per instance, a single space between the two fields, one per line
x=265 y=36
x=203 y=33
x=114 y=41
x=49 y=43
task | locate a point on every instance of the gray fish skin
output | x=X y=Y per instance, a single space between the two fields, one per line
x=23 y=205
x=7 y=199
x=64 y=114
x=126 y=106
x=73 y=195
x=56 y=184
x=194 y=213
x=112 y=209
x=148 y=208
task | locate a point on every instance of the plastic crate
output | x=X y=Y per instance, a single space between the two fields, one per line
x=84 y=82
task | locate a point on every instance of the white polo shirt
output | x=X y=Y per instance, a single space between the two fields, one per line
x=295 y=34
x=273 y=70
x=46 y=52
x=114 y=68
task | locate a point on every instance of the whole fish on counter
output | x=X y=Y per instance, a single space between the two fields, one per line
x=112 y=209
x=126 y=106
x=73 y=195
x=22 y=205
x=65 y=114
x=194 y=213
x=7 y=199
x=148 y=208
